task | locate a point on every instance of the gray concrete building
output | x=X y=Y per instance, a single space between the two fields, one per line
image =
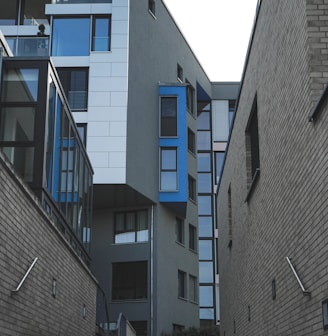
x=272 y=200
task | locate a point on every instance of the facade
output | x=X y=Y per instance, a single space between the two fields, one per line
x=272 y=198
x=140 y=111
x=47 y=287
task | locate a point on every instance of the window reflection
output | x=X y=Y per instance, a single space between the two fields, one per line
x=205 y=250
x=206 y=272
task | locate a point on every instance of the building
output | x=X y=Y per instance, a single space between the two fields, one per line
x=47 y=287
x=272 y=199
x=139 y=110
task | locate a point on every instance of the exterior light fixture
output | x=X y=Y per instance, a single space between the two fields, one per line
x=54 y=288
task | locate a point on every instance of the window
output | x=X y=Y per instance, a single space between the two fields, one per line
x=82 y=129
x=151 y=6
x=274 y=291
x=179 y=230
x=205 y=226
x=192 y=188
x=177 y=328
x=180 y=73
x=129 y=281
x=140 y=327
x=204 y=183
x=230 y=217
x=206 y=296
x=219 y=159
x=192 y=288
x=204 y=205
x=252 y=145
x=192 y=237
x=75 y=84
x=181 y=284
x=204 y=140
x=169 y=116
x=206 y=272
x=204 y=162
x=232 y=104
x=101 y=26
x=71 y=36
x=205 y=249
x=325 y=314
x=191 y=141
x=190 y=97
x=131 y=227
x=169 y=176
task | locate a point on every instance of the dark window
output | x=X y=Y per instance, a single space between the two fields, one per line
x=181 y=284
x=252 y=143
x=230 y=217
x=192 y=188
x=191 y=141
x=274 y=291
x=180 y=73
x=151 y=6
x=129 y=281
x=325 y=314
x=190 y=97
x=179 y=230
x=169 y=119
x=9 y=13
x=192 y=288
x=75 y=84
x=82 y=129
x=101 y=26
x=140 y=327
x=169 y=176
x=219 y=159
x=178 y=328
x=131 y=227
x=232 y=104
x=192 y=237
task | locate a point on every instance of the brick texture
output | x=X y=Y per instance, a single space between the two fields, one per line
x=25 y=233
x=287 y=213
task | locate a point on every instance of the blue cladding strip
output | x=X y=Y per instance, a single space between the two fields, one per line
x=180 y=142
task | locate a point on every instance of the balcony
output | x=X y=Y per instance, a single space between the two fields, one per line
x=29 y=46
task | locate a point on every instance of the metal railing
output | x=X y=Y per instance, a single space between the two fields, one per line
x=19 y=286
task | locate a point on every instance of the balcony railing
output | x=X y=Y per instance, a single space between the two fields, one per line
x=29 y=46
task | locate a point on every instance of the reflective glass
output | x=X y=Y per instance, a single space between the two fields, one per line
x=100 y=35
x=20 y=85
x=205 y=250
x=204 y=162
x=206 y=313
x=206 y=272
x=17 y=124
x=206 y=296
x=205 y=226
x=204 y=205
x=169 y=159
x=203 y=121
x=203 y=140
x=169 y=116
x=71 y=37
x=204 y=183
x=219 y=159
x=168 y=181
x=8 y=13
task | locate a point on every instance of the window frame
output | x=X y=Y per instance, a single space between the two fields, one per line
x=131 y=272
x=135 y=226
x=169 y=170
x=192 y=237
x=164 y=133
x=152 y=7
x=182 y=285
x=192 y=192
x=191 y=141
x=180 y=73
x=179 y=230
x=93 y=31
x=193 y=292
x=190 y=95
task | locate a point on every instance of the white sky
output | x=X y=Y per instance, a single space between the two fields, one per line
x=218 y=32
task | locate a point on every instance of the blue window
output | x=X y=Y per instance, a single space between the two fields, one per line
x=205 y=250
x=71 y=37
x=169 y=178
x=169 y=121
x=206 y=296
x=206 y=272
x=101 y=33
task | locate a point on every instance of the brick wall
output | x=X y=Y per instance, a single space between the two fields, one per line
x=287 y=212
x=27 y=233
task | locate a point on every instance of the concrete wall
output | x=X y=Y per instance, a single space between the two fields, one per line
x=286 y=214
x=27 y=233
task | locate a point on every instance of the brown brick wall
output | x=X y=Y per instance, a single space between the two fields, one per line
x=287 y=213
x=26 y=233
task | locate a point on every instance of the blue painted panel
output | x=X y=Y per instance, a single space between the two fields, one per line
x=180 y=142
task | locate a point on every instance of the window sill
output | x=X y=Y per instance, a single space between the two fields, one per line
x=193 y=250
x=253 y=184
x=179 y=243
x=182 y=298
x=152 y=14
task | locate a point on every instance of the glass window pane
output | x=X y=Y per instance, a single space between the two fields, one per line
x=204 y=205
x=204 y=162
x=20 y=85
x=205 y=226
x=205 y=250
x=23 y=160
x=203 y=121
x=169 y=159
x=206 y=296
x=206 y=272
x=219 y=159
x=168 y=181
x=204 y=183
x=203 y=140
x=71 y=37
x=168 y=116
x=8 y=13
x=17 y=124
x=142 y=226
x=206 y=313
x=100 y=35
